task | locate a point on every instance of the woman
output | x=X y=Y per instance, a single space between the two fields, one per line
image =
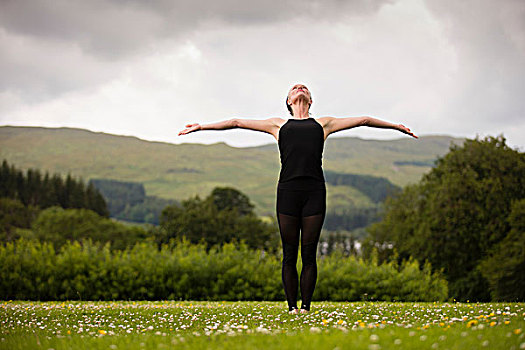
x=301 y=192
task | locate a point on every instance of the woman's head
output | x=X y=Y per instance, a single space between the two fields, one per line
x=298 y=91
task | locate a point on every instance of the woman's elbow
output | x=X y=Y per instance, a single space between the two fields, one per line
x=235 y=123
x=365 y=121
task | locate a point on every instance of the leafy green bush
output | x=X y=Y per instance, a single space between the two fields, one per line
x=180 y=270
x=58 y=226
x=223 y=216
x=350 y=278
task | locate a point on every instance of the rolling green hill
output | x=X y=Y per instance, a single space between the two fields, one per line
x=179 y=171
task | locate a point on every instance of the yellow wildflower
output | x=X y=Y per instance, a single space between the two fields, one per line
x=471 y=323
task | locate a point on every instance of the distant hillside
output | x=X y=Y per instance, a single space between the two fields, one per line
x=178 y=171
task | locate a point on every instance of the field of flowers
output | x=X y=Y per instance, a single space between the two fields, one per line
x=260 y=325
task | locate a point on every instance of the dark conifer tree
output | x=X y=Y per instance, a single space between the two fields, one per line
x=31 y=189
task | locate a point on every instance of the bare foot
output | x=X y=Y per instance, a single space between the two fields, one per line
x=294 y=312
x=303 y=311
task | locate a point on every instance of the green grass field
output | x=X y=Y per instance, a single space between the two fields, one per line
x=260 y=325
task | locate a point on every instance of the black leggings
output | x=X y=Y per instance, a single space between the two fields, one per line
x=300 y=210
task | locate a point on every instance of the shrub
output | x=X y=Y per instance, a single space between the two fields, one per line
x=180 y=270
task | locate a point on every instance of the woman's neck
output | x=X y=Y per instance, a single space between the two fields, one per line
x=300 y=109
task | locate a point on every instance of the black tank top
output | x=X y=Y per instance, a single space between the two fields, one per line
x=301 y=143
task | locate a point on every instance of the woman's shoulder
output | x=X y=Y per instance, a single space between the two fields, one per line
x=278 y=121
x=323 y=120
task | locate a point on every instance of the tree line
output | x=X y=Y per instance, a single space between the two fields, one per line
x=128 y=201
x=351 y=218
x=467 y=218
x=23 y=195
x=375 y=188
x=343 y=226
x=56 y=210
x=43 y=191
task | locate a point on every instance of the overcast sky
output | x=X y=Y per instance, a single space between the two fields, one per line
x=146 y=68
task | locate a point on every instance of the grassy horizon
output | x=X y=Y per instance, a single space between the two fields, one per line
x=178 y=171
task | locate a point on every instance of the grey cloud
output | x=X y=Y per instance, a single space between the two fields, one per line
x=99 y=28
x=119 y=27
x=37 y=70
x=489 y=40
x=52 y=47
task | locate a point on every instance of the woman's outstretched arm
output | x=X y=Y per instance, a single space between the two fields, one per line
x=331 y=124
x=270 y=126
x=223 y=125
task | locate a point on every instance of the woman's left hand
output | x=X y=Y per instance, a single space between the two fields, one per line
x=406 y=130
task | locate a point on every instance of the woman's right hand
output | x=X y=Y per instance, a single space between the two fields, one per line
x=190 y=128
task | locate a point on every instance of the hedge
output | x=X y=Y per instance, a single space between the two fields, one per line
x=31 y=270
